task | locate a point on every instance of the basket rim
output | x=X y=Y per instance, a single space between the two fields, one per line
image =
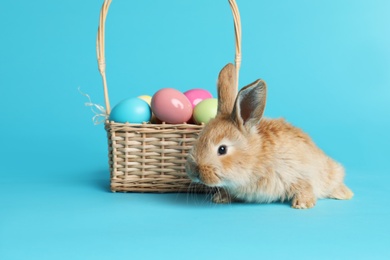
x=152 y=125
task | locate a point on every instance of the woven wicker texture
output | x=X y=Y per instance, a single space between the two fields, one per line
x=151 y=157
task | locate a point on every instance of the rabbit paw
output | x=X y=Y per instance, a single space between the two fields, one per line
x=342 y=193
x=221 y=197
x=303 y=196
x=303 y=202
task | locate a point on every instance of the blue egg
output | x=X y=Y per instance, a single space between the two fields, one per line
x=131 y=110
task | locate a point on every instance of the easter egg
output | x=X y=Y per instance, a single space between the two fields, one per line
x=171 y=106
x=206 y=110
x=146 y=98
x=196 y=95
x=132 y=110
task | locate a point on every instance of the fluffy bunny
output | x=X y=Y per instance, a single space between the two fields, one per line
x=253 y=159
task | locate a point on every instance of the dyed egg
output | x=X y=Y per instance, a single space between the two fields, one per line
x=171 y=106
x=132 y=110
x=206 y=110
x=146 y=98
x=197 y=95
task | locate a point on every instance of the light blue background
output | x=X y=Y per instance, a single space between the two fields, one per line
x=327 y=65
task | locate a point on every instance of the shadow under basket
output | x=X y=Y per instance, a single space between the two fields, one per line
x=150 y=157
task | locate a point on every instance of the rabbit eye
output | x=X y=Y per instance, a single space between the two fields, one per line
x=222 y=150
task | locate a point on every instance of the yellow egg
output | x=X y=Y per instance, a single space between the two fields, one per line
x=146 y=98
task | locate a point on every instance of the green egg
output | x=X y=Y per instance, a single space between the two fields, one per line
x=206 y=110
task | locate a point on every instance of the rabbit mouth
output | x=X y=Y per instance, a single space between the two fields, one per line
x=208 y=176
x=204 y=174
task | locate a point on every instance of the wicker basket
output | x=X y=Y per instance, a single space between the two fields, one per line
x=151 y=157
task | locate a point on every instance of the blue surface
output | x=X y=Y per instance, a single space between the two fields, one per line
x=327 y=65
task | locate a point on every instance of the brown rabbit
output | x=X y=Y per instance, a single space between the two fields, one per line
x=253 y=159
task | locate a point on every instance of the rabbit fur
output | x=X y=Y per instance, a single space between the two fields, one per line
x=253 y=159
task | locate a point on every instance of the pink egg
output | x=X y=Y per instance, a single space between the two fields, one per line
x=171 y=106
x=197 y=95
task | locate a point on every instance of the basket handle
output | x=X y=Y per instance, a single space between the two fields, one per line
x=100 y=45
x=237 y=31
x=100 y=51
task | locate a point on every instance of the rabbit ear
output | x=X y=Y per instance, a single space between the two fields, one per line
x=227 y=89
x=249 y=107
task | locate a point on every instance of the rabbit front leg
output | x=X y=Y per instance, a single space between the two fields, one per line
x=302 y=195
x=221 y=196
